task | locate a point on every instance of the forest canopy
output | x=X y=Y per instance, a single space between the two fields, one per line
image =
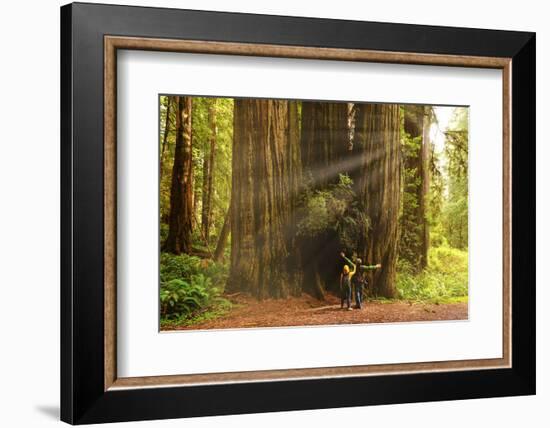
x=261 y=196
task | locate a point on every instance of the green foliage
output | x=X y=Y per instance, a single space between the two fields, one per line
x=410 y=242
x=455 y=215
x=201 y=150
x=221 y=307
x=336 y=209
x=201 y=137
x=190 y=286
x=184 y=267
x=411 y=230
x=445 y=279
x=179 y=298
x=459 y=121
x=178 y=267
x=455 y=207
x=437 y=236
x=436 y=190
x=163 y=231
x=316 y=216
x=410 y=146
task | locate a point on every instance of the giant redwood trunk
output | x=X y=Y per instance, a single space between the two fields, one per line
x=414 y=243
x=181 y=192
x=261 y=207
x=378 y=140
x=324 y=141
x=208 y=172
x=295 y=186
x=426 y=161
x=324 y=152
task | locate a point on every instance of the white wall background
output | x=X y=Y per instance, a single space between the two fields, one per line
x=29 y=213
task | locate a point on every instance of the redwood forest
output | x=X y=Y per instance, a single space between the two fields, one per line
x=294 y=213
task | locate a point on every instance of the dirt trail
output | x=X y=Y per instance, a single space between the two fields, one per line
x=305 y=310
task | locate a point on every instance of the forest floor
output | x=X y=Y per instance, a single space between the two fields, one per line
x=246 y=311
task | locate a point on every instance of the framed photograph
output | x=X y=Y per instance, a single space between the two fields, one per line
x=266 y=213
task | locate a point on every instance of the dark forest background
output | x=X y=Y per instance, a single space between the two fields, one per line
x=260 y=196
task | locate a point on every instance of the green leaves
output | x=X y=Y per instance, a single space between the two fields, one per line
x=335 y=208
x=180 y=298
x=446 y=277
x=189 y=285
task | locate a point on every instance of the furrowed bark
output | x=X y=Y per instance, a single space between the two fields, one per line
x=325 y=151
x=208 y=172
x=377 y=137
x=181 y=195
x=261 y=204
x=295 y=186
x=324 y=142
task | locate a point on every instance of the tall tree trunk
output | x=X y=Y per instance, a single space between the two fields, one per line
x=224 y=235
x=260 y=208
x=324 y=141
x=165 y=137
x=377 y=137
x=181 y=193
x=324 y=152
x=425 y=155
x=295 y=185
x=208 y=172
x=205 y=196
x=414 y=238
x=197 y=199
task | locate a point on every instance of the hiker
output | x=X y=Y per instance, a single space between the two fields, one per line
x=345 y=286
x=359 y=278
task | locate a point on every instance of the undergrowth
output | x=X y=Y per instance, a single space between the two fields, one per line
x=445 y=280
x=191 y=289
